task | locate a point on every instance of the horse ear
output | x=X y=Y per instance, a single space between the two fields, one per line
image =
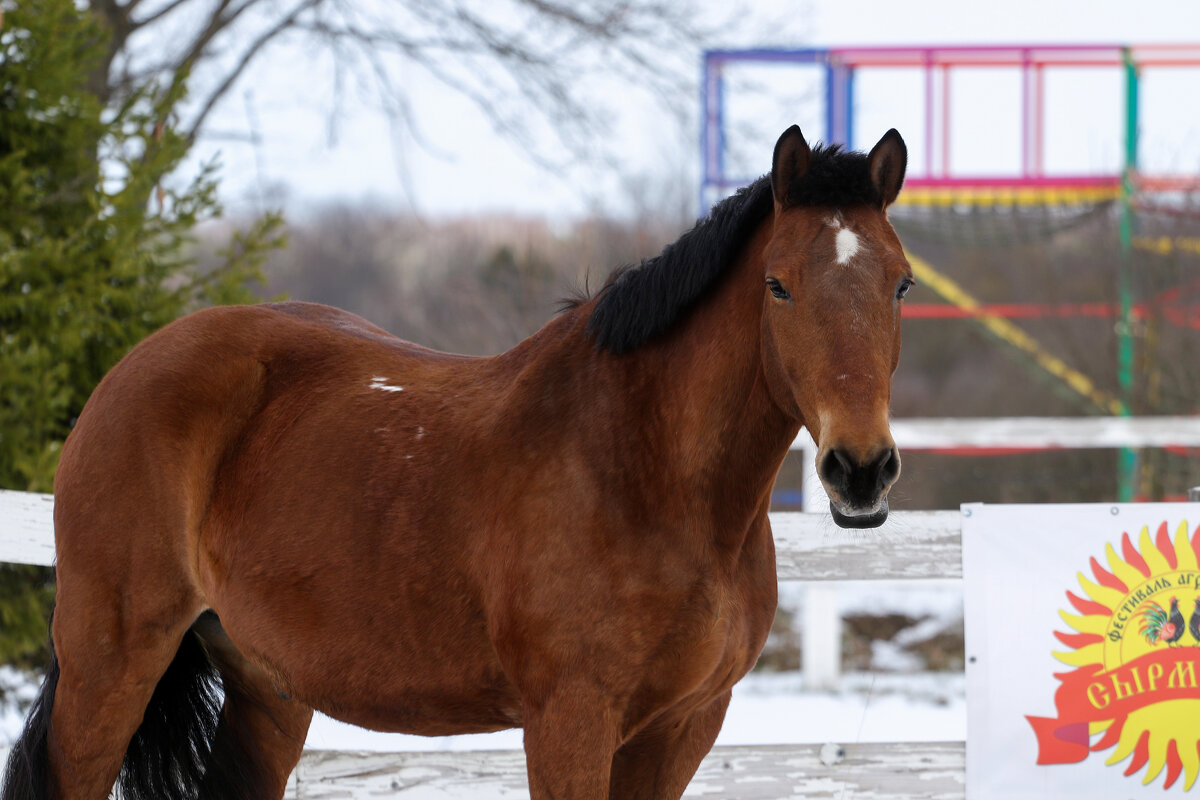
x=886 y=165
x=790 y=162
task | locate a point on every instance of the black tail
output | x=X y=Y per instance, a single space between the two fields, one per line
x=181 y=751
x=25 y=775
x=168 y=755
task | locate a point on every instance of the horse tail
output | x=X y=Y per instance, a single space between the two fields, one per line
x=183 y=748
x=27 y=769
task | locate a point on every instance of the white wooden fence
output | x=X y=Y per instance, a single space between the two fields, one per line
x=822 y=624
x=809 y=547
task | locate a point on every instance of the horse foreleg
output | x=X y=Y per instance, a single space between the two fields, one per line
x=569 y=746
x=660 y=760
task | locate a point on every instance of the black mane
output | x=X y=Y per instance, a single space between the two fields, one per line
x=639 y=303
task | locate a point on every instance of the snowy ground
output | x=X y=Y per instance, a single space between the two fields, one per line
x=891 y=703
x=766 y=709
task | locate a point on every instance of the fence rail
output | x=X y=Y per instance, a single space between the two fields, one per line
x=809 y=547
x=899 y=771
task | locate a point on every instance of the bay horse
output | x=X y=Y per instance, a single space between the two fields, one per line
x=266 y=510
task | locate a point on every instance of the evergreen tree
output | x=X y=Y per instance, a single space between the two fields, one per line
x=94 y=251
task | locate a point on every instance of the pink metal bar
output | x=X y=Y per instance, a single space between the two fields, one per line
x=1016 y=55
x=1039 y=130
x=1037 y=182
x=1026 y=119
x=945 y=69
x=928 y=120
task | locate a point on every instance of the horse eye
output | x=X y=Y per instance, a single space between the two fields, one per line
x=777 y=289
x=905 y=285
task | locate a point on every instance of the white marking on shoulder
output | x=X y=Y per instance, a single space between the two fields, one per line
x=420 y=431
x=381 y=384
x=846 y=245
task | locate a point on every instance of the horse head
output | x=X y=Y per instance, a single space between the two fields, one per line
x=835 y=278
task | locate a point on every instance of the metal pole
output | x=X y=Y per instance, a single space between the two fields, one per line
x=1127 y=471
x=821 y=624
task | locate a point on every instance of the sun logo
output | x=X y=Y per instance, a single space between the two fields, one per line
x=1136 y=658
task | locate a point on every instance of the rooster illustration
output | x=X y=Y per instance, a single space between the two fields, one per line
x=1159 y=625
x=1194 y=623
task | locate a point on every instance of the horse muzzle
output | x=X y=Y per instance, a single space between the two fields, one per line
x=857 y=486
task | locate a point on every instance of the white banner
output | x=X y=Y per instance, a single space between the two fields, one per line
x=1083 y=650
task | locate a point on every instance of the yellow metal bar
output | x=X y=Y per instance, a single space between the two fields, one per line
x=941 y=197
x=1165 y=245
x=950 y=291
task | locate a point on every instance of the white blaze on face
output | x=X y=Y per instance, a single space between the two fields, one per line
x=846 y=245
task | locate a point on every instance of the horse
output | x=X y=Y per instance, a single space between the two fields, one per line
x=266 y=510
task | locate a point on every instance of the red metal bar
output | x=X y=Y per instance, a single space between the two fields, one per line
x=1182 y=316
x=1011 y=310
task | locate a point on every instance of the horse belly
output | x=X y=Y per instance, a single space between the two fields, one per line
x=443 y=710
x=369 y=635
x=430 y=677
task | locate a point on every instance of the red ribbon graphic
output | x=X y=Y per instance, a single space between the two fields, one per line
x=1090 y=694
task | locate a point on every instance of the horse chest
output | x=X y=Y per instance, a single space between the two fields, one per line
x=736 y=632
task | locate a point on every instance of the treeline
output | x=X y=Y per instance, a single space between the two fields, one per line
x=469 y=285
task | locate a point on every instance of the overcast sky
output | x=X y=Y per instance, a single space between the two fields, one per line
x=469 y=169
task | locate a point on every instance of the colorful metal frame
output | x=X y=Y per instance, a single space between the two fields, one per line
x=937 y=185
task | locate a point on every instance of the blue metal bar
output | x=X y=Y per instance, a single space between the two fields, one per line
x=706 y=176
x=849 y=138
x=812 y=55
x=831 y=99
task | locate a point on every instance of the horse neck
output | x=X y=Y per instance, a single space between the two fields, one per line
x=711 y=420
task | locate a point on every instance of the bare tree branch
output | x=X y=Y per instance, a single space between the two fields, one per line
x=132 y=5
x=528 y=65
x=248 y=55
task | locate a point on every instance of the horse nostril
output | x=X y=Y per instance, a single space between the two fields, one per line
x=889 y=467
x=836 y=469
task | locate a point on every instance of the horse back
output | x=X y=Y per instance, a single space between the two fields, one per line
x=164 y=422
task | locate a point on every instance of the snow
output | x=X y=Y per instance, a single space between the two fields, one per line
x=17 y=691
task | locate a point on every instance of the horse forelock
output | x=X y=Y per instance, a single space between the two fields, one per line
x=638 y=303
x=835 y=177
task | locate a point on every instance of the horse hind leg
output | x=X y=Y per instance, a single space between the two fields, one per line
x=90 y=704
x=215 y=729
x=152 y=721
x=261 y=732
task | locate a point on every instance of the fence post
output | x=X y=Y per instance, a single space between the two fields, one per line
x=1194 y=494
x=821 y=624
